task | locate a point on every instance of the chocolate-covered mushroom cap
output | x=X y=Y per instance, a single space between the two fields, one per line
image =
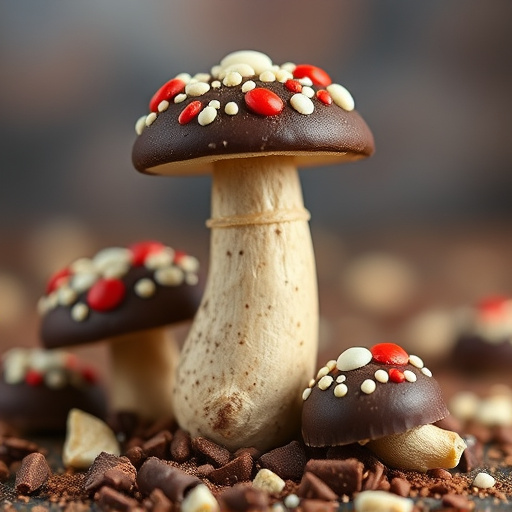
x=367 y=394
x=128 y=296
x=251 y=123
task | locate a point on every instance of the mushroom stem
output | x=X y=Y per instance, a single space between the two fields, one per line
x=253 y=341
x=143 y=367
x=420 y=448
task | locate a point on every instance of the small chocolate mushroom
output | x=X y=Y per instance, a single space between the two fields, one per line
x=386 y=399
x=128 y=296
x=251 y=124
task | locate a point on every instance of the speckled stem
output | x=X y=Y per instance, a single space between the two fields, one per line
x=252 y=346
x=143 y=366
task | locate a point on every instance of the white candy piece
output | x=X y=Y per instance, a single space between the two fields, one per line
x=197 y=88
x=353 y=358
x=199 y=499
x=484 y=481
x=302 y=104
x=341 y=97
x=258 y=61
x=207 y=116
x=86 y=437
x=268 y=481
x=381 y=501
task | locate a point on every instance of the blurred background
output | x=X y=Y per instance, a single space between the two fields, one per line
x=423 y=226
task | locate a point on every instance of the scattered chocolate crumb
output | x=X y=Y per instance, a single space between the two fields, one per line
x=110 y=470
x=375 y=477
x=4 y=471
x=181 y=446
x=287 y=461
x=158 y=445
x=136 y=456
x=318 y=506
x=441 y=473
x=312 y=487
x=159 y=501
x=33 y=473
x=243 y=498
x=212 y=452
x=204 y=470
x=400 y=486
x=458 y=502
x=237 y=470
x=342 y=476
x=16 y=448
x=110 y=499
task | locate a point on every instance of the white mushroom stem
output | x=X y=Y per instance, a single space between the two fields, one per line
x=420 y=449
x=253 y=343
x=143 y=367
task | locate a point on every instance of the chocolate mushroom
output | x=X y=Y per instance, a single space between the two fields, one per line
x=251 y=123
x=386 y=399
x=128 y=296
x=39 y=387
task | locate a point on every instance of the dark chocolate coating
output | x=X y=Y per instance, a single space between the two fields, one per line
x=392 y=408
x=41 y=409
x=473 y=353
x=328 y=135
x=169 y=304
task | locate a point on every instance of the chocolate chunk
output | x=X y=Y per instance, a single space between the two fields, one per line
x=212 y=452
x=312 y=487
x=181 y=446
x=342 y=476
x=110 y=499
x=243 y=498
x=287 y=461
x=4 y=471
x=318 y=506
x=502 y=434
x=158 y=445
x=400 y=486
x=33 y=473
x=136 y=456
x=472 y=457
x=158 y=426
x=441 y=473
x=110 y=470
x=458 y=502
x=238 y=470
x=157 y=474
x=374 y=477
x=17 y=448
x=159 y=501
x=204 y=470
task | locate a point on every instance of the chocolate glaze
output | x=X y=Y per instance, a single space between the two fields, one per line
x=473 y=353
x=392 y=408
x=169 y=304
x=38 y=409
x=327 y=135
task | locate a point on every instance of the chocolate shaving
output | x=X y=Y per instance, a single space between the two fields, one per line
x=158 y=445
x=243 y=498
x=181 y=446
x=344 y=477
x=312 y=487
x=238 y=470
x=110 y=470
x=287 y=461
x=33 y=473
x=213 y=453
x=110 y=499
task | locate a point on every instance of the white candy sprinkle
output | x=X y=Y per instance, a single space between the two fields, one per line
x=83 y=281
x=207 y=116
x=179 y=98
x=312 y=382
x=248 y=86
x=267 y=76
x=189 y=263
x=416 y=361
x=268 y=481
x=426 y=371
x=191 y=279
x=82 y=265
x=159 y=259
x=381 y=376
x=145 y=288
x=302 y=104
x=331 y=364
x=214 y=104
x=306 y=81
x=140 y=125
x=66 y=296
x=216 y=84
x=115 y=270
x=291 y=501
x=163 y=106
x=341 y=96
x=306 y=393
x=184 y=77
x=215 y=71
x=484 y=481
x=200 y=499
x=55 y=379
x=258 y=61
x=353 y=358
x=150 y=118
x=341 y=378
x=381 y=501
x=323 y=371
x=289 y=66
x=110 y=255
x=232 y=78
x=308 y=91
x=202 y=77
x=368 y=386
x=231 y=108
x=340 y=390
x=170 y=276
x=325 y=382
x=197 y=89
x=243 y=69
x=282 y=75
x=410 y=376
x=79 y=312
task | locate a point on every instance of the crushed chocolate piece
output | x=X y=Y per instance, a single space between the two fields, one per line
x=136 y=456
x=237 y=470
x=124 y=424
x=16 y=448
x=342 y=476
x=212 y=452
x=441 y=473
x=502 y=434
x=204 y=470
x=243 y=498
x=312 y=487
x=473 y=456
x=318 y=506
x=400 y=486
x=374 y=477
x=287 y=461
x=181 y=446
x=253 y=452
x=4 y=471
x=157 y=474
x=158 y=445
x=157 y=426
x=33 y=473
x=458 y=502
x=110 y=470
x=110 y=499
x=159 y=501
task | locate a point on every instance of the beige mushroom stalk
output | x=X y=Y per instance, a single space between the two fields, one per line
x=254 y=339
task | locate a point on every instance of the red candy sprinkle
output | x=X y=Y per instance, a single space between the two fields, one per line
x=57 y=280
x=317 y=75
x=167 y=92
x=492 y=307
x=293 y=85
x=389 y=353
x=324 y=97
x=178 y=256
x=106 y=294
x=396 y=375
x=189 y=112
x=141 y=250
x=264 y=102
x=33 y=378
x=89 y=375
